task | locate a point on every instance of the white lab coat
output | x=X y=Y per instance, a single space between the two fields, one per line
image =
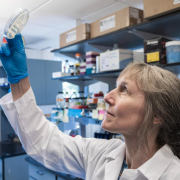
x=90 y=159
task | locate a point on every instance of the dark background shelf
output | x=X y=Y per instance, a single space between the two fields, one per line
x=106 y=74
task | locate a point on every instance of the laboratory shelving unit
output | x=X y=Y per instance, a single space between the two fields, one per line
x=168 y=25
x=5 y=127
x=128 y=38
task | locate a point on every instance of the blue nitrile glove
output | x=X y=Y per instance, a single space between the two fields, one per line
x=13 y=58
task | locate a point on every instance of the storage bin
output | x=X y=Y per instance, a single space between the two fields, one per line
x=173 y=51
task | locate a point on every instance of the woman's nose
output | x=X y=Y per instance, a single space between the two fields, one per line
x=109 y=98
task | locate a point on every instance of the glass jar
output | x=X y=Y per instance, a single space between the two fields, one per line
x=81 y=94
x=76 y=69
x=74 y=95
x=71 y=70
x=60 y=100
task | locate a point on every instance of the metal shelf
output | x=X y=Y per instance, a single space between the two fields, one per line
x=164 y=26
x=172 y=64
x=5 y=86
x=107 y=74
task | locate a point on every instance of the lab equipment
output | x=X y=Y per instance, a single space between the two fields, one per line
x=66 y=67
x=72 y=70
x=76 y=69
x=60 y=100
x=16 y=23
x=78 y=58
x=173 y=51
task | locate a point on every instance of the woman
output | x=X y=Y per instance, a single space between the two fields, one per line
x=144 y=108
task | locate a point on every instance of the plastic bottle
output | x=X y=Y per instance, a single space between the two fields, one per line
x=57 y=100
x=60 y=100
x=66 y=105
x=78 y=58
x=74 y=95
x=66 y=67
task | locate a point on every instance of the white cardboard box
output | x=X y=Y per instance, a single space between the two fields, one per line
x=116 y=59
x=59 y=74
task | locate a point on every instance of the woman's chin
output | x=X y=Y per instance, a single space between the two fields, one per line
x=106 y=126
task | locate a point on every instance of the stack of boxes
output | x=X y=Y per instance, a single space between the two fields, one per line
x=83 y=68
x=91 y=62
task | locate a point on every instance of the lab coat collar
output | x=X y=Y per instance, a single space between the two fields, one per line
x=154 y=167
x=117 y=152
x=114 y=161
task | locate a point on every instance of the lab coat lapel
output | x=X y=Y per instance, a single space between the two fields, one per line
x=133 y=174
x=154 y=167
x=114 y=163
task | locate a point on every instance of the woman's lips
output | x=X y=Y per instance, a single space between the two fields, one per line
x=110 y=114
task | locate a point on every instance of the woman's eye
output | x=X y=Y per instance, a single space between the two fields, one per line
x=124 y=90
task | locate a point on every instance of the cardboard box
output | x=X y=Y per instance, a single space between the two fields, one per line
x=114 y=60
x=75 y=35
x=154 y=8
x=118 y=20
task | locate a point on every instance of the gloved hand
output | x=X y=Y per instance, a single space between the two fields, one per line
x=13 y=59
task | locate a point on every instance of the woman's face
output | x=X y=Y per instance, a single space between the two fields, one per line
x=124 y=112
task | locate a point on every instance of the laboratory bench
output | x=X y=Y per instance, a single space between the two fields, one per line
x=37 y=171
x=12 y=161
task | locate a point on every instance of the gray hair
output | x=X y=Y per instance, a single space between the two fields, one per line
x=162 y=99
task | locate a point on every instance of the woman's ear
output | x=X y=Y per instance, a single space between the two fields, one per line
x=156 y=121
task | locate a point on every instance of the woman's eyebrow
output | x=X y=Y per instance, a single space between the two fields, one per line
x=124 y=83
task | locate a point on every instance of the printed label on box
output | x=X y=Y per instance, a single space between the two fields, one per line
x=134 y=13
x=104 y=62
x=71 y=36
x=176 y=1
x=114 y=59
x=107 y=23
x=153 y=57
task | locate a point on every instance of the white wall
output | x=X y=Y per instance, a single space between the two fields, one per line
x=46 y=55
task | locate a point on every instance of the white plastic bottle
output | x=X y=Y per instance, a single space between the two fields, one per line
x=60 y=100
x=57 y=101
x=66 y=67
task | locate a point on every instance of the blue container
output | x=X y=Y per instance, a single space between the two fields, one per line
x=173 y=51
x=89 y=71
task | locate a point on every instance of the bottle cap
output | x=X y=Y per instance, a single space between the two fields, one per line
x=78 y=54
